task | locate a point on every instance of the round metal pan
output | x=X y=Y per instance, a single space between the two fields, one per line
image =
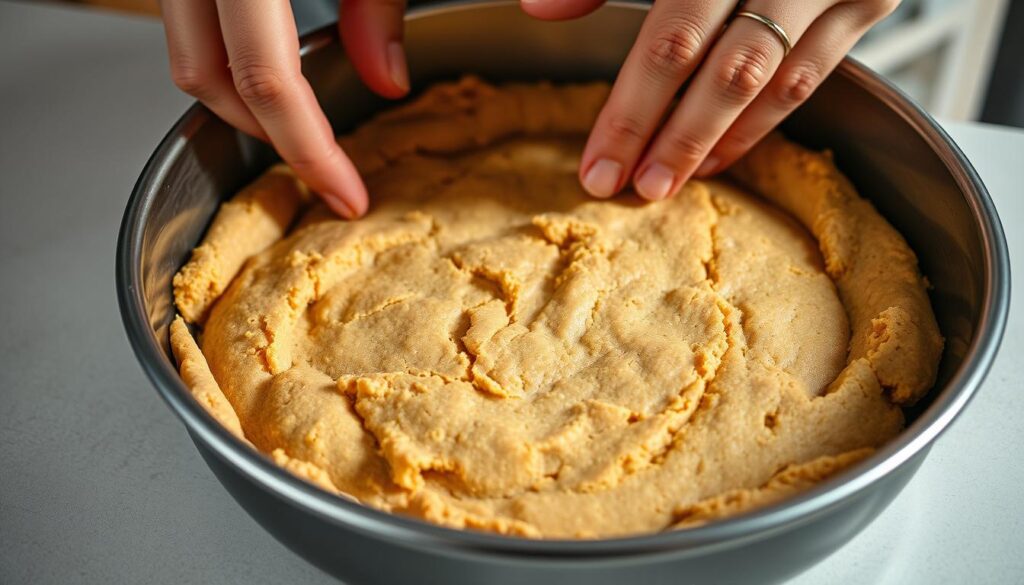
x=891 y=149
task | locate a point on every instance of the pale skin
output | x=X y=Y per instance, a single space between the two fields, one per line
x=241 y=59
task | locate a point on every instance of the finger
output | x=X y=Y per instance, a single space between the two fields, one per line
x=821 y=49
x=672 y=41
x=738 y=67
x=371 y=31
x=559 y=9
x=262 y=45
x=199 y=62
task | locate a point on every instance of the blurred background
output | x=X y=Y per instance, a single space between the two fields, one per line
x=961 y=59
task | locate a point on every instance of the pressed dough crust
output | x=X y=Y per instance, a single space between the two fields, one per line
x=492 y=349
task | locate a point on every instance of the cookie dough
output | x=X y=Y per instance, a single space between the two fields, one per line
x=490 y=348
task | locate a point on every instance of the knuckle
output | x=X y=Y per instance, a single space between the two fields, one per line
x=674 y=47
x=734 y=142
x=190 y=79
x=799 y=84
x=624 y=127
x=260 y=86
x=686 y=146
x=743 y=74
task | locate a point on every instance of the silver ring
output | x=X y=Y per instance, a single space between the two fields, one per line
x=774 y=26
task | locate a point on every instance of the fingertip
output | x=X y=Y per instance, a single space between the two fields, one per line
x=536 y=8
x=338 y=206
x=352 y=200
x=336 y=180
x=655 y=182
x=398 y=69
x=360 y=205
x=390 y=80
x=346 y=206
x=602 y=179
x=371 y=35
x=559 y=9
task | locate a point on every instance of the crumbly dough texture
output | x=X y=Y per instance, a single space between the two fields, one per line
x=491 y=349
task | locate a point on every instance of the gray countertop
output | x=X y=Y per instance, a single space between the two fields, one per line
x=99 y=482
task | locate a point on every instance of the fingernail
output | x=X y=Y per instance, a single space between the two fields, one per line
x=656 y=182
x=397 y=67
x=602 y=180
x=707 y=167
x=340 y=206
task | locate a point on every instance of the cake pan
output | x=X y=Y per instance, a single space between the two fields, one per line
x=892 y=150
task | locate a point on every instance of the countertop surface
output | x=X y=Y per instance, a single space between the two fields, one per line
x=99 y=482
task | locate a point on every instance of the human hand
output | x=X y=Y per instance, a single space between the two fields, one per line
x=241 y=59
x=741 y=83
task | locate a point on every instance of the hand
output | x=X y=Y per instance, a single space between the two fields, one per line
x=740 y=84
x=241 y=59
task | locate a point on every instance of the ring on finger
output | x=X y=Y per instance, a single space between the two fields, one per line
x=780 y=32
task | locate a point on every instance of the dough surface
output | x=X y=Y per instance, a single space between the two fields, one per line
x=489 y=348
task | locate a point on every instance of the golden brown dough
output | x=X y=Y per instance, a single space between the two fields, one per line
x=492 y=349
x=874 y=269
x=196 y=373
x=788 y=482
x=455 y=117
x=252 y=220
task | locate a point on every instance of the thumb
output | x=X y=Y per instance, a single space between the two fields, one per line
x=371 y=31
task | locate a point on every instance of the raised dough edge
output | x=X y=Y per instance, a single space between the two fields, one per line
x=891 y=318
x=196 y=374
x=248 y=223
